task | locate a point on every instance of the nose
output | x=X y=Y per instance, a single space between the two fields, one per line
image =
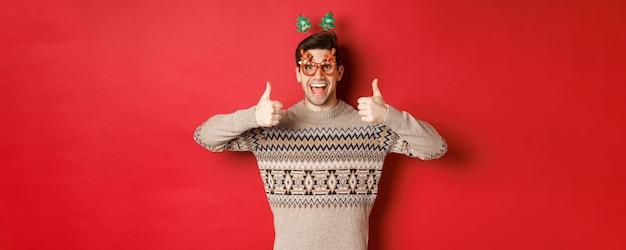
x=319 y=74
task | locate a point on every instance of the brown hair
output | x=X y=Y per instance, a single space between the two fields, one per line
x=322 y=40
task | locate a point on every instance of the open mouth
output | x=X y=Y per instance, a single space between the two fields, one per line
x=318 y=88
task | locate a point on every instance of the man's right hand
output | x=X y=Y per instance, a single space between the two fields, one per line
x=268 y=113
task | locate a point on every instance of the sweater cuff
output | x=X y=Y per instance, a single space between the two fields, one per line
x=248 y=118
x=394 y=118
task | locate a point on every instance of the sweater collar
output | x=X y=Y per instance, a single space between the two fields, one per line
x=303 y=111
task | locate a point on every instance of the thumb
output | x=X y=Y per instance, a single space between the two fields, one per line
x=268 y=89
x=375 y=89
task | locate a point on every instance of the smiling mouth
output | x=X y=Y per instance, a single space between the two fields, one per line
x=318 y=88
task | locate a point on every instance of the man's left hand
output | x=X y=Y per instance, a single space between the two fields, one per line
x=373 y=109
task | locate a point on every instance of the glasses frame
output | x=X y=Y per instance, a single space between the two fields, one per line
x=306 y=60
x=317 y=67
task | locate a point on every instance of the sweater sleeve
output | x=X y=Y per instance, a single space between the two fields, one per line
x=416 y=138
x=227 y=131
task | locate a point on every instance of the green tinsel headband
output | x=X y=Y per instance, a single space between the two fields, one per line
x=304 y=24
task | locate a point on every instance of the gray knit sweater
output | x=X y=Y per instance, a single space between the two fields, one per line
x=321 y=169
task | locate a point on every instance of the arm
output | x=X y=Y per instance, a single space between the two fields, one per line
x=227 y=131
x=220 y=132
x=417 y=138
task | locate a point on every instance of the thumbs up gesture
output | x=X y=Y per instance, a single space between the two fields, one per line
x=373 y=109
x=268 y=113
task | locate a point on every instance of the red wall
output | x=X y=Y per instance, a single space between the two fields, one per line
x=100 y=99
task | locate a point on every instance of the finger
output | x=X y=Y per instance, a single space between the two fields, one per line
x=364 y=100
x=268 y=90
x=277 y=105
x=375 y=88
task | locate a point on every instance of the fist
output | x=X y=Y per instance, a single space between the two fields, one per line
x=373 y=108
x=268 y=113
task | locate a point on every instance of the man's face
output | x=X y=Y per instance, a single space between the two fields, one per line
x=320 y=90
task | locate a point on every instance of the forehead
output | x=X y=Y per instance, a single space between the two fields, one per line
x=318 y=54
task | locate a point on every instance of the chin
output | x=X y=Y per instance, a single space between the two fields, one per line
x=318 y=101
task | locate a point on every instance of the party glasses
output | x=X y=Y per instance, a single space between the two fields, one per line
x=309 y=68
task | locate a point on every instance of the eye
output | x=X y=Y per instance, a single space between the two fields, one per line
x=328 y=68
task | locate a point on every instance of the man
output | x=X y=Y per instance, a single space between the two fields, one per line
x=321 y=160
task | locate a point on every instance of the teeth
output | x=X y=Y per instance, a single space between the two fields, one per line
x=318 y=85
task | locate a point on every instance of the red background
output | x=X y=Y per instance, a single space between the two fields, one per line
x=100 y=99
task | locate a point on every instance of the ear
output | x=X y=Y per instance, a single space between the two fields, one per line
x=339 y=72
x=298 y=77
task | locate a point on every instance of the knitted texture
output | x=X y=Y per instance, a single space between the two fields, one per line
x=321 y=170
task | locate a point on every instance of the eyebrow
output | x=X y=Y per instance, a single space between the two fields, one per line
x=313 y=60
